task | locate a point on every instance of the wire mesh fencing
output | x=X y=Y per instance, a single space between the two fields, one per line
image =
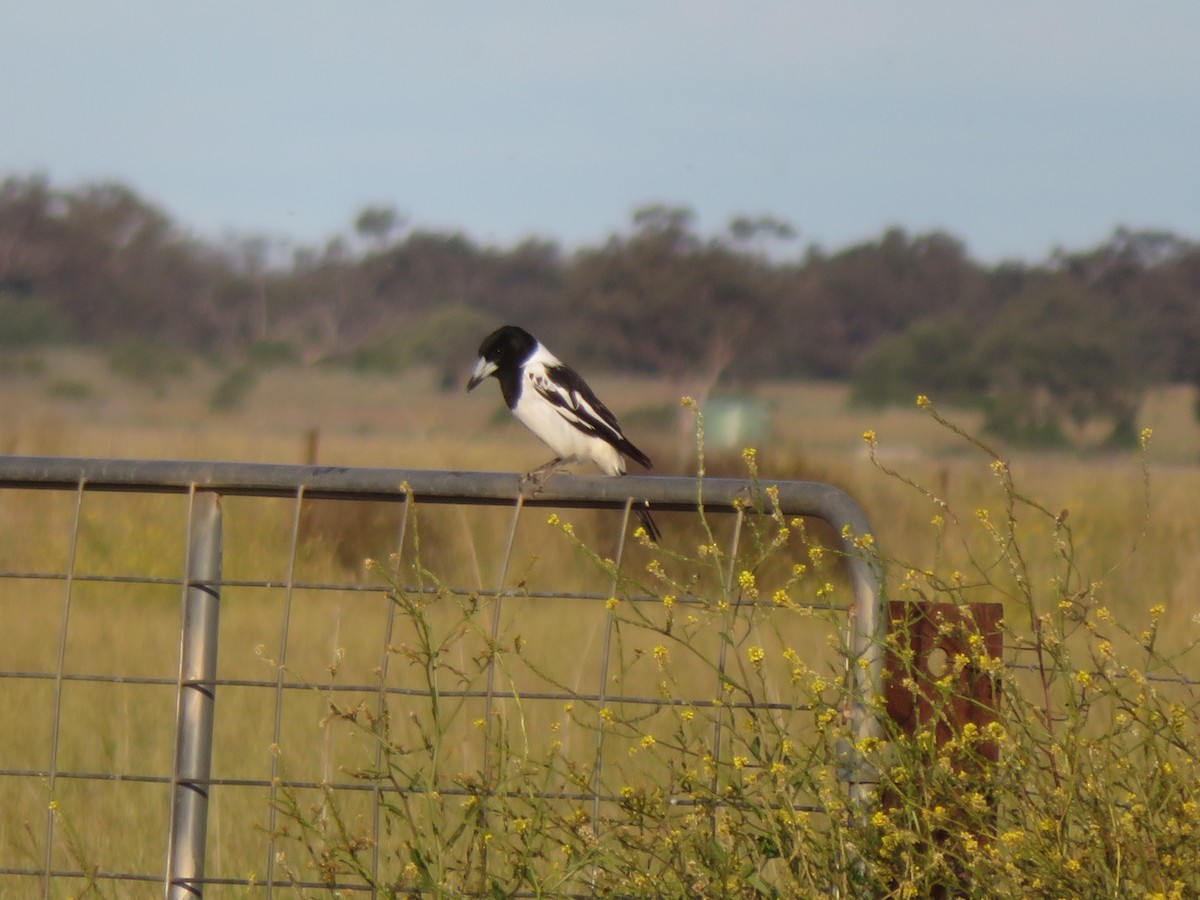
x=197 y=658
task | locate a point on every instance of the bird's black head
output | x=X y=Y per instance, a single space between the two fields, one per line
x=506 y=346
x=504 y=350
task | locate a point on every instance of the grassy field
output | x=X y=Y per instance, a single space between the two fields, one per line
x=68 y=403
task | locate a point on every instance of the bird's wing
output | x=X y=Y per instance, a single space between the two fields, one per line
x=563 y=387
x=569 y=393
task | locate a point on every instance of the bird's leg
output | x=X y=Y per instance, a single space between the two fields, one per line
x=539 y=475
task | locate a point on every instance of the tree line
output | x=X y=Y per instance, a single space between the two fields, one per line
x=1042 y=347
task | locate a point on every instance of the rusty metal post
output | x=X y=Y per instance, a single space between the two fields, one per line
x=926 y=640
x=938 y=678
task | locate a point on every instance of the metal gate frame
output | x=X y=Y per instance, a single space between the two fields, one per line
x=206 y=482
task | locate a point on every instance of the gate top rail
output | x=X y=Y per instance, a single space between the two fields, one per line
x=428 y=485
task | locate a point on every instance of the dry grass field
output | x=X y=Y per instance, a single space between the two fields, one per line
x=69 y=404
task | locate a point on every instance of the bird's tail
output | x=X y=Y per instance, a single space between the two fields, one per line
x=642 y=510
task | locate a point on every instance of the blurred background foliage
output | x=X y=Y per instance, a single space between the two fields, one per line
x=1045 y=350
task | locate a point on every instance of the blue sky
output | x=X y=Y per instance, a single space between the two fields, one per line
x=1017 y=127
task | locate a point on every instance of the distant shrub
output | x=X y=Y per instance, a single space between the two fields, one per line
x=147 y=362
x=231 y=391
x=267 y=354
x=69 y=389
x=932 y=356
x=1006 y=417
x=30 y=321
x=386 y=356
x=21 y=364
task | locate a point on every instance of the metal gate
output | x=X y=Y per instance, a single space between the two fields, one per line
x=205 y=496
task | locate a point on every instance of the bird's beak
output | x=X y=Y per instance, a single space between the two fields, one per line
x=483 y=369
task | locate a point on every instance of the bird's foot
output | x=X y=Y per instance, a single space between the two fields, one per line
x=533 y=481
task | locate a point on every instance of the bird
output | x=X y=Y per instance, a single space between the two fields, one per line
x=554 y=402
